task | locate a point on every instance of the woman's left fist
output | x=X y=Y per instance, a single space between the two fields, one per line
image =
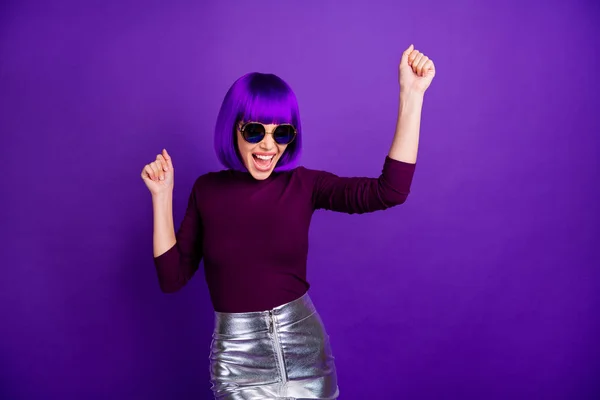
x=416 y=71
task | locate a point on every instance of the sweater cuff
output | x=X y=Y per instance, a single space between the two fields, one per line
x=168 y=259
x=398 y=174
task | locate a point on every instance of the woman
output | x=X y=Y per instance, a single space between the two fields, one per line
x=249 y=223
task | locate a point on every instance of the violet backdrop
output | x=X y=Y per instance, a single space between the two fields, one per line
x=484 y=284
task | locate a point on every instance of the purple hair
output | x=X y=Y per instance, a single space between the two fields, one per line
x=257 y=97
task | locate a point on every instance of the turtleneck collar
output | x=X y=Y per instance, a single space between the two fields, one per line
x=246 y=176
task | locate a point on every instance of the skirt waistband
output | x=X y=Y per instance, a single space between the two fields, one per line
x=257 y=321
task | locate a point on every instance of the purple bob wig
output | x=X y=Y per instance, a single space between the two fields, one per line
x=257 y=97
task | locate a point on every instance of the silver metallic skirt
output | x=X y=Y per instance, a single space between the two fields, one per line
x=281 y=353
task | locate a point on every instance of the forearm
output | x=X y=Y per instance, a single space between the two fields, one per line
x=164 y=230
x=406 y=138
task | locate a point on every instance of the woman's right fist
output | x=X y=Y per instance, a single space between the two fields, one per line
x=158 y=175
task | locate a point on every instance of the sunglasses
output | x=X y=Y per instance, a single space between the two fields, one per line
x=254 y=132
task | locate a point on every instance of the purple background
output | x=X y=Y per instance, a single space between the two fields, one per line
x=485 y=284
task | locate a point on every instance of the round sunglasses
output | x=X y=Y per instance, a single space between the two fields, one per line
x=254 y=132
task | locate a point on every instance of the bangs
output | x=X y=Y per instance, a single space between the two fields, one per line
x=268 y=103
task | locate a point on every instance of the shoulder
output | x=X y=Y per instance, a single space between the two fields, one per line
x=307 y=173
x=303 y=174
x=212 y=176
x=310 y=179
x=210 y=180
x=313 y=176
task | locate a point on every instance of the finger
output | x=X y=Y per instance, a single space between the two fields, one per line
x=161 y=167
x=162 y=162
x=412 y=56
x=160 y=173
x=168 y=158
x=421 y=63
x=154 y=171
x=415 y=58
x=416 y=61
x=428 y=67
x=406 y=53
x=147 y=172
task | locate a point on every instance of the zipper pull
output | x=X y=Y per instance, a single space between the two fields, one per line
x=270 y=322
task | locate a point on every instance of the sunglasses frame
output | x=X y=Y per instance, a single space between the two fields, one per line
x=242 y=126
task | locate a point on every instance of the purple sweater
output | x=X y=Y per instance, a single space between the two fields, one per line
x=253 y=235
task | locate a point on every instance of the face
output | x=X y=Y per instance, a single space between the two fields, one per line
x=260 y=158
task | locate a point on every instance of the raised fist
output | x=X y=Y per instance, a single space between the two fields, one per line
x=158 y=175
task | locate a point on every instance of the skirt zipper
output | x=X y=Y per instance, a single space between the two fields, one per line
x=278 y=351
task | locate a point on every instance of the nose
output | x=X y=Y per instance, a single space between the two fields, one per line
x=267 y=143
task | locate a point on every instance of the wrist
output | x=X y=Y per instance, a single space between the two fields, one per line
x=162 y=198
x=411 y=95
x=410 y=101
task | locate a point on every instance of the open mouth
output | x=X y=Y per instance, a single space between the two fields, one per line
x=263 y=162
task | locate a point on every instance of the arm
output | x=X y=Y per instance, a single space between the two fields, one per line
x=406 y=138
x=359 y=195
x=176 y=257
x=163 y=237
x=416 y=71
x=362 y=195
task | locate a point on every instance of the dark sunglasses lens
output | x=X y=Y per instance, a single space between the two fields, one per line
x=284 y=134
x=254 y=133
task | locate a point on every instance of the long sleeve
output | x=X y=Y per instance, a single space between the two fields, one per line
x=362 y=195
x=178 y=264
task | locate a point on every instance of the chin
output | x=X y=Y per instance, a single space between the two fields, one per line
x=260 y=176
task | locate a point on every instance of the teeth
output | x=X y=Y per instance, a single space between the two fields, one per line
x=264 y=157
